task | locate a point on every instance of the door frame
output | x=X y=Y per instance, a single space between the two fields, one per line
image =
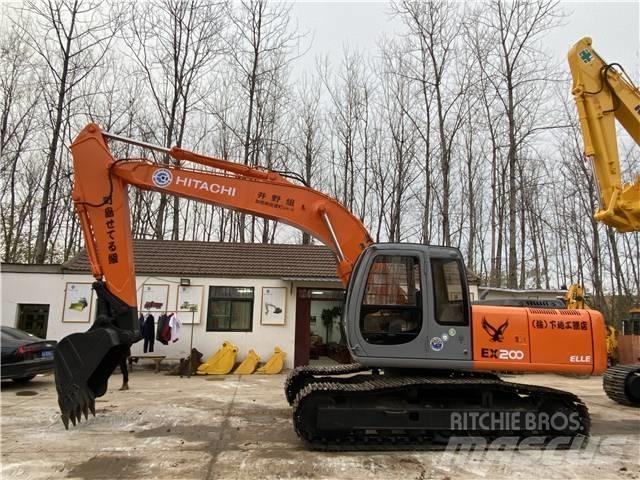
x=302 y=338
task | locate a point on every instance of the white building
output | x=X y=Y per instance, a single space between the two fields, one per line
x=255 y=295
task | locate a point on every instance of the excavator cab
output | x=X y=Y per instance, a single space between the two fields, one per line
x=408 y=306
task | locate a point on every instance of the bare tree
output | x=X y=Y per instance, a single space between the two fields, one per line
x=308 y=136
x=349 y=117
x=396 y=99
x=515 y=29
x=261 y=32
x=71 y=38
x=175 y=44
x=438 y=31
x=19 y=101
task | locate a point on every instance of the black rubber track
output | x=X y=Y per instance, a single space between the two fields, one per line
x=300 y=376
x=375 y=440
x=614 y=382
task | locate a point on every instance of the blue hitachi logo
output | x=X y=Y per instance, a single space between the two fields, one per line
x=161 y=177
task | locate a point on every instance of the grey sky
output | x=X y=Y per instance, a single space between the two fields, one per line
x=614 y=27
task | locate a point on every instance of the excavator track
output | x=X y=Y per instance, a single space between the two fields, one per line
x=622 y=384
x=373 y=412
x=299 y=377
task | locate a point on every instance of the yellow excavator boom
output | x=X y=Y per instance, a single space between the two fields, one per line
x=603 y=94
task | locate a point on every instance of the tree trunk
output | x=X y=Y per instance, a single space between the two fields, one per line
x=41 y=238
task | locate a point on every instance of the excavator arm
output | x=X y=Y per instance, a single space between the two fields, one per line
x=603 y=94
x=84 y=361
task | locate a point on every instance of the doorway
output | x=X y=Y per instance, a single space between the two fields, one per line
x=318 y=336
x=33 y=318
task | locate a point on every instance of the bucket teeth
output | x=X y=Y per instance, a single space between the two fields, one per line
x=86 y=402
x=77 y=403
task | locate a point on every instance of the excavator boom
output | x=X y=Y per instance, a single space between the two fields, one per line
x=603 y=94
x=101 y=199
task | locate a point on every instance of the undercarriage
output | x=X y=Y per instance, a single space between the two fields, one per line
x=622 y=384
x=349 y=407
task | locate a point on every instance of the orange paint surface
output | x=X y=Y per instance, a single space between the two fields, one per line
x=538 y=340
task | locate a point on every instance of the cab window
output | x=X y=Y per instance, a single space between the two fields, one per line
x=391 y=310
x=449 y=292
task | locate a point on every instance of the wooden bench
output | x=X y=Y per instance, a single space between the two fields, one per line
x=156 y=358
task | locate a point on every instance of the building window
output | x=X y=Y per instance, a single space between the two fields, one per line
x=230 y=309
x=33 y=318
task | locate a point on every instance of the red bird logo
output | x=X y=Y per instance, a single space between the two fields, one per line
x=497 y=334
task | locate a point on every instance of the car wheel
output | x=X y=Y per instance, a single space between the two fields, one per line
x=26 y=379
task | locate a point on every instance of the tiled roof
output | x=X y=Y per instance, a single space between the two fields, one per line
x=215 y=259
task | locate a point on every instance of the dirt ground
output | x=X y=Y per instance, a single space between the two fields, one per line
x=240 y=427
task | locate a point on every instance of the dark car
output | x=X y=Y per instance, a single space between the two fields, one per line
x=24 y=355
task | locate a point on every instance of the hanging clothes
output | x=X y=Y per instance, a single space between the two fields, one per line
x=148 y=333
x=174 y=323
x=141 y=322
x=163 y=334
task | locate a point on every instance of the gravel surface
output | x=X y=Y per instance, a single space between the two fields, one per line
x=240 y=427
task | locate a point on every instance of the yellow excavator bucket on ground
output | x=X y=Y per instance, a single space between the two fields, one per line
x=221 y=362
x=249 y=364
x=275 y=364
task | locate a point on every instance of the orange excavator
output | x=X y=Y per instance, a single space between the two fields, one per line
x=423 y=356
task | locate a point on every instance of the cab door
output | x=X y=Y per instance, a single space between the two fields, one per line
x=448 y=314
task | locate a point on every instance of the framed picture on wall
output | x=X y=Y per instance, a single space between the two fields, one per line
x=154 y=298
x=273 y=305
x=78 y=300
x=190 y=300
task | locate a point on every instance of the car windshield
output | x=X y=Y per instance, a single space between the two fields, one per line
x=16 y=334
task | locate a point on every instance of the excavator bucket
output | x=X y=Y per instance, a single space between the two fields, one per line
x=275 y=364
x=83 y=362
x=249 y=364
x=221 y=362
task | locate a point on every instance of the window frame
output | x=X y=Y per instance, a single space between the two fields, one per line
x=230 y=299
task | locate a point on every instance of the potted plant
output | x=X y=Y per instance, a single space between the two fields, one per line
x=328 y=315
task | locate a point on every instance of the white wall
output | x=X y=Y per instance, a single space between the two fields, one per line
x=262 y=338
x=50 y=288
x=44 y=288
x=47 y=288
